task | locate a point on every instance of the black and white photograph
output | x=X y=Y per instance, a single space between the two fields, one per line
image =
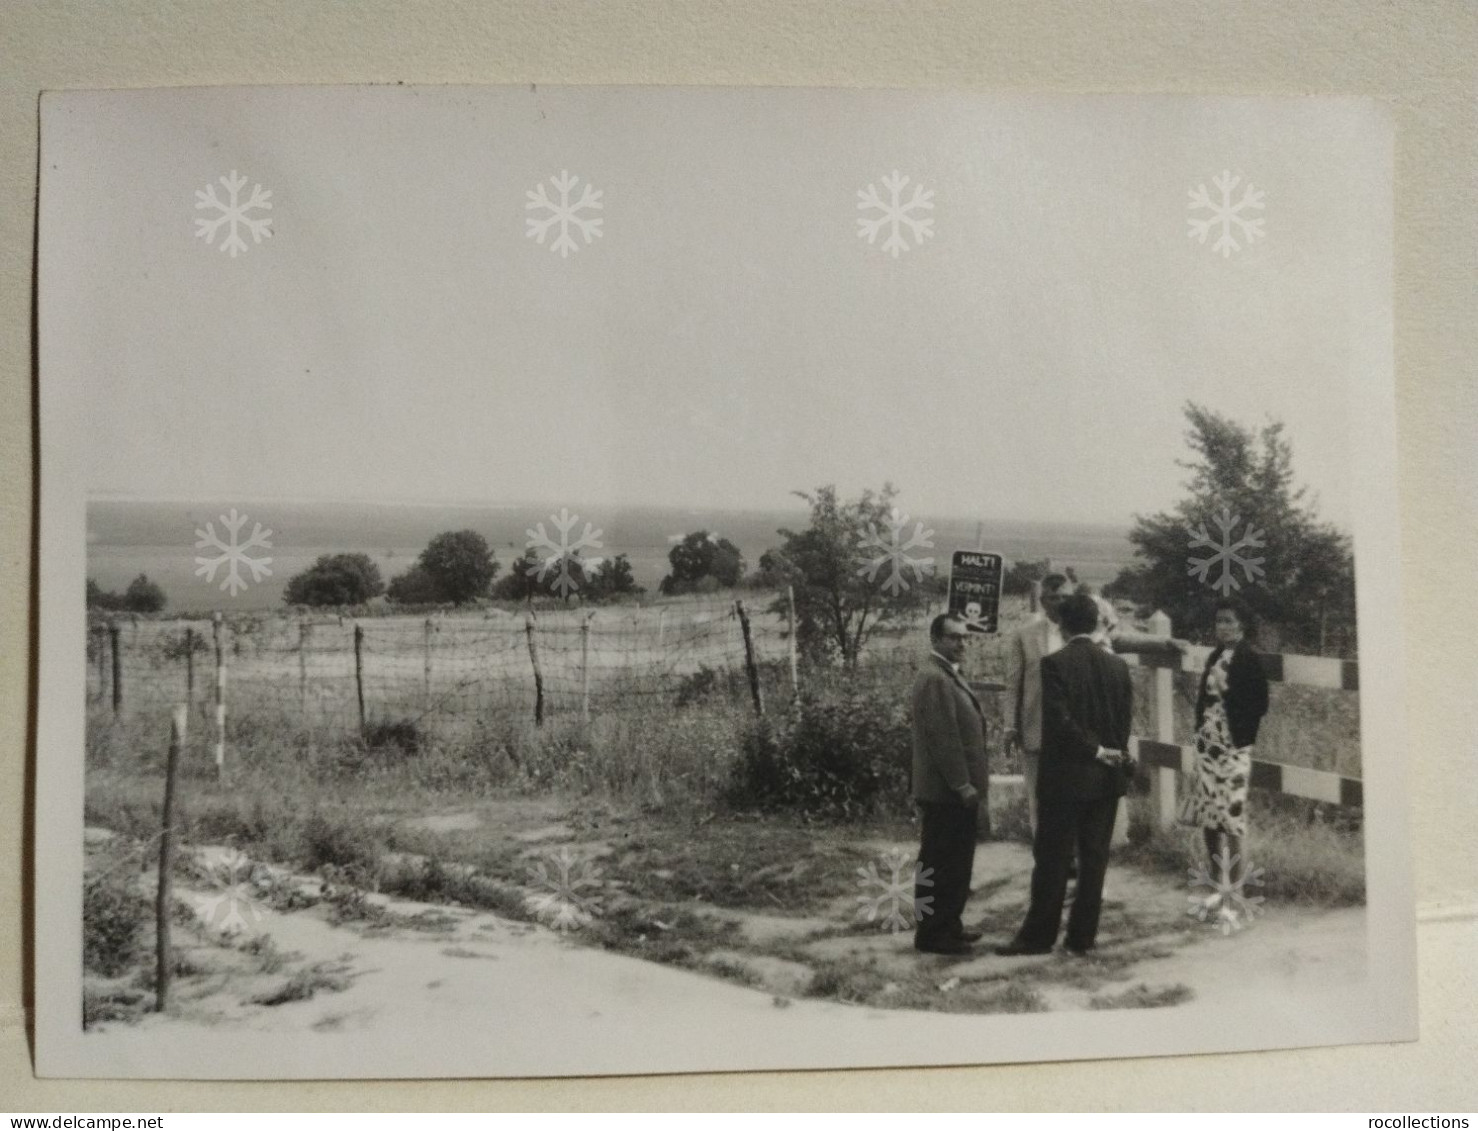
x=553 y=581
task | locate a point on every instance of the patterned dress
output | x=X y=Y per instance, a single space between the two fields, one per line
x=1217 y=798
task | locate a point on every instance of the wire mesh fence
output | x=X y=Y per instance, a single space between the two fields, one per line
x=442 y=670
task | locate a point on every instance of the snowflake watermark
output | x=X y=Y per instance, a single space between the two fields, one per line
x=890 y=891
x=567 y=895
x=561 y=559
x=233 y=214
x=564 y=213
x=1228 y=907
x=234 y=553
x=893 y=552
x=896 y=214
x=233 y=907
x=1228 y=552
x=1224 y=214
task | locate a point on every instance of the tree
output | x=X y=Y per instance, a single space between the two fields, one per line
x=100 y=598
x=414 y=587
x=1242 y=481
x=143 y=596
x=699 y=557
x=613 y=578
x=458 y=566
x=335 y=580
x=840 y=596
x=535 y=575
x=1022 y=575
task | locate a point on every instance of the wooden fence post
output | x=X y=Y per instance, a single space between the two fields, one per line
x=528 y=627
x=100 y=636
x=189 y=668
x=661 y=627
x=585 y=668
x=1163 y=779
x=305 y=635
x=750 y=667
x=427 y=630
x=359 y=671
x=164 y=899
x=795 y=675
x=114 y=650
x=218 y=632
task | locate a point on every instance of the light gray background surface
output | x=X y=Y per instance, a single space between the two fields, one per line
x=1420 y=58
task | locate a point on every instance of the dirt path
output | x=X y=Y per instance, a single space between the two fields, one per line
x=394 y=961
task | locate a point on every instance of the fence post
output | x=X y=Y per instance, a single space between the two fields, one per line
x=113 y=649
x=661 y=626
x=164 y=899
x=359 y=670
x=305 y=634
x=585 y=668
x=427 y=630
x=217 y=632
x=795 y=676
x=528 y=627
x=1163 y=779
x=102 y=657
x=189 y=668
x=750 y=667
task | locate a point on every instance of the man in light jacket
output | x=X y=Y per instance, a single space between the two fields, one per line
x=1035 y=640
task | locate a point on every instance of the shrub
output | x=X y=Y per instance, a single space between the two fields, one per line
x=397 y=734
x=335 y=580
x=114 y=913
x=832 y=756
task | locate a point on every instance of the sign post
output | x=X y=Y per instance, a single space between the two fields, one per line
x=975 y=588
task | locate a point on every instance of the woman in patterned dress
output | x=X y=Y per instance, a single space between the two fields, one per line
x=1232 y=701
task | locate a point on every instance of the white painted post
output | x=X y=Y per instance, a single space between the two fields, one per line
x=1162 y=778
x=218 y=631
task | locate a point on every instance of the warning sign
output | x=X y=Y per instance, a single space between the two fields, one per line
x=975 y=588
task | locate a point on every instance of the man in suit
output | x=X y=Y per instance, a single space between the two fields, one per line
x=1087 y=705
x=1024 y=684
x=950 y=783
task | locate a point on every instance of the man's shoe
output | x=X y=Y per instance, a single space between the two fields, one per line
x=1078 y=951
x=943 y=946
x=1016 y=947
x=971 y=936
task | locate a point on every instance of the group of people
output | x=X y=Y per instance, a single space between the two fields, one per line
x=1069 y=709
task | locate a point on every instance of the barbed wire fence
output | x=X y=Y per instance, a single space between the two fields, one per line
x=447 y=672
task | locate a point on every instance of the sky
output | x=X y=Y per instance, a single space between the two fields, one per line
x=729 y=338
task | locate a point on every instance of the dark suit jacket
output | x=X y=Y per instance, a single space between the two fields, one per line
x=1087 y=702
x=1247 y=693
x=948 y=735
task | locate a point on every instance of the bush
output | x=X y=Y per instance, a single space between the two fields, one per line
x=335 y=580
x=832 y=756
x=114 y=913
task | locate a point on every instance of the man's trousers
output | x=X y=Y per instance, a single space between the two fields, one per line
x=1065 y=825
x=946 y=859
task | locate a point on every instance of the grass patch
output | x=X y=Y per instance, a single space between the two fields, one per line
x=115 y=915
x=1304 y=860
x=304 y=984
